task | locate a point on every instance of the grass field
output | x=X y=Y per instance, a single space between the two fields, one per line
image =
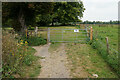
x=107 y=31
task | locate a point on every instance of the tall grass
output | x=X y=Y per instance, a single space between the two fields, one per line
x=15 y=54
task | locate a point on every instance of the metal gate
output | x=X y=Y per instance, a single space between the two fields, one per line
x=68 y=35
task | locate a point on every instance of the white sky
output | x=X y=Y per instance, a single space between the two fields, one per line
x=100 y=10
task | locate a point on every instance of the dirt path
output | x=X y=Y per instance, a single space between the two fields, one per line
x=54 y=64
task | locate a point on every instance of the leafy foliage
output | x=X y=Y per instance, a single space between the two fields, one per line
x=20 y=15
x=24 y=14
x=65 y=12
x=43 y=20
x=14 y=55
x=35 y=41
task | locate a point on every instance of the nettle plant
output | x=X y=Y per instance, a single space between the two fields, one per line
x=13 y=54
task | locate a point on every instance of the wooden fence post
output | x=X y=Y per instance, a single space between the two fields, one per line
x=26 y=32
x=36 y=30
x=91 y=33
x=107 y=44
x=48 y=35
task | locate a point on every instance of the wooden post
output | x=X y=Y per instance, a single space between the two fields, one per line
x=36 y=30
x=91 y=33
x=107 y=44
x=26 y=32
x=48 y=35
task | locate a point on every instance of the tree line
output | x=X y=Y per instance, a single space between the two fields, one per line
x=100 y=22
x=21 y=15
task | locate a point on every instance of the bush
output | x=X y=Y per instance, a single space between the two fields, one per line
x=14 y=54
x=35 y=41
x=28 y=60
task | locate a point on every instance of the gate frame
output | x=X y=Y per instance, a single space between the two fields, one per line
x=88 y=31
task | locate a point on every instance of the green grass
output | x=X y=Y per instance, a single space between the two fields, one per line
x=33 y=69
x=7 y=28
x=83 y=55
x=99 y=43
x=18 y=57
x=67 y=35
x=111 y=32
x=89 y=58
x=54 y=47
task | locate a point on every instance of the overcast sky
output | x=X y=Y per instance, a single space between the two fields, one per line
x=100 y=10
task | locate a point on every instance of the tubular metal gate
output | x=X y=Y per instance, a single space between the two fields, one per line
x=68 y=35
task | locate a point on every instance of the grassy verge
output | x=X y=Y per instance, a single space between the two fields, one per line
x=30 y=68
x=99 y=43
x=85 y=62
x=18 y=59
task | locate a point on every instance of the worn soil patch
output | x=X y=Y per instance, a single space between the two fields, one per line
x=53 y=64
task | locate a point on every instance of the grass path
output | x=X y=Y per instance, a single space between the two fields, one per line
x=53 y=64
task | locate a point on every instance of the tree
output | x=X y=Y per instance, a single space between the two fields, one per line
x=43 y=20
x=23 y=14
x=65 y=12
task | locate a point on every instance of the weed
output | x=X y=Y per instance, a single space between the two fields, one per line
x=15 y=55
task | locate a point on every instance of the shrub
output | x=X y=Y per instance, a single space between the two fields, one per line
x=35 y=41
x=28 y=60
x=14 y=54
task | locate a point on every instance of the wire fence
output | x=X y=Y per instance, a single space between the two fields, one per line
x=96 y=36
x=109 y=53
